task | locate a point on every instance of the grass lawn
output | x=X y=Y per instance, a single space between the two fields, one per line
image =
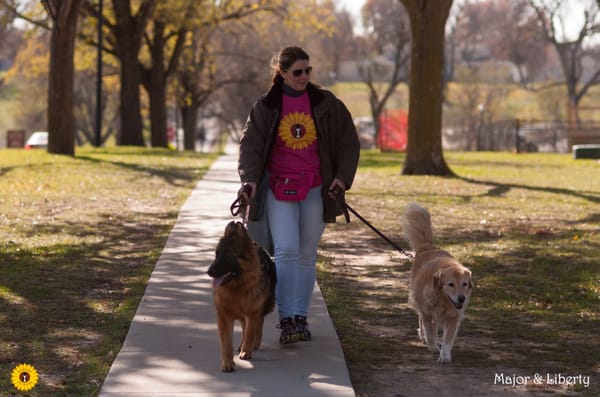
x=79 y=237
x=528 y=228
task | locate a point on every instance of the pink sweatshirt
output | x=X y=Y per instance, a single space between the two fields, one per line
x=295 y=149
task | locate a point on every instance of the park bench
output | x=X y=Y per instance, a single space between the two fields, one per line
x=586 y=143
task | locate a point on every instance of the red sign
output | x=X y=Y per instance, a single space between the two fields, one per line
x=393 y=130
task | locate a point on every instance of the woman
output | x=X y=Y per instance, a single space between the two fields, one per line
x=300 y=142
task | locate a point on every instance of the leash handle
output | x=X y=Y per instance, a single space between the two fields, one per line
x=340 y=199
x=241 y=202
x=339 y=195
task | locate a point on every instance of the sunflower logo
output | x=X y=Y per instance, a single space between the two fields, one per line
x=297 y=130
x=24 y=377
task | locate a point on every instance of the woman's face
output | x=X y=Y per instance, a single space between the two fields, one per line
x=297 y=75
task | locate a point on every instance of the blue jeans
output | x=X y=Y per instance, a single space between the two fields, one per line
x=296 y=227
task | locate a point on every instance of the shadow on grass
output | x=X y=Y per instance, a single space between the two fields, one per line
x=69 y=306
x=391 y=159
x=36 y=165
x=534 y=309
x=378 y=335
x=499 y=189
x=176 y=176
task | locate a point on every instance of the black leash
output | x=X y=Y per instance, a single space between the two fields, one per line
x=339 y=195
x=241 y=204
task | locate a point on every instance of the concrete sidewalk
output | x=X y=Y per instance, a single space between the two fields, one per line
x=172 y=347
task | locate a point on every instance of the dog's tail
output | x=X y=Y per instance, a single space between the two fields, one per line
x=416 y=225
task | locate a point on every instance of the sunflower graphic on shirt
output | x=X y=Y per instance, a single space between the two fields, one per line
x=297 y=130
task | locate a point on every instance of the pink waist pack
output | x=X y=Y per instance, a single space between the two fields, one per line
x=290 y=187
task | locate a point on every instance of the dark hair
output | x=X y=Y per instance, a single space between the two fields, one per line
x=285 y=59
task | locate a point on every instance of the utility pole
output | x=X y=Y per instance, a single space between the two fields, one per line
x=98 y=126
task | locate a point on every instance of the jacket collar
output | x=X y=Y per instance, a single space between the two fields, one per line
x=274 y=97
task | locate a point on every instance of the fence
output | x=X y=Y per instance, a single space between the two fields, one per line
x=522 y=136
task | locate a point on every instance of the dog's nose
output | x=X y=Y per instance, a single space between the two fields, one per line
x=461 y=298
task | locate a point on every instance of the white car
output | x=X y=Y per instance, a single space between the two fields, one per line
x=37 y=140
x=366 y=132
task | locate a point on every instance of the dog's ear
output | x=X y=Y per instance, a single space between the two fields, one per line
x=235 y=228
x=470 y=280
x=240 y=229
x=438 y=280
x=230 y=228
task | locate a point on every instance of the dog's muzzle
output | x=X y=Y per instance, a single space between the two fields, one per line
x=222 y=279
x=461 y=301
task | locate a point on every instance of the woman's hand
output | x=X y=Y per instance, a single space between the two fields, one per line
x=336 y=184
x=252 y=187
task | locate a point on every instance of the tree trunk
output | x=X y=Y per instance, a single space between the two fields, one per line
x=572 y=119
x=567 y=53
x=130 y=106
x=424 y=151
x=156 y=77
x=61 y=120
x=128 y=32
x=158 y=113
x=157 y=88
x=189 y=116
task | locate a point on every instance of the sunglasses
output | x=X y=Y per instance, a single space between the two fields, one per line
x=298 y=72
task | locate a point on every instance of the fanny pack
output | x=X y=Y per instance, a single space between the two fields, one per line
x=290 y=187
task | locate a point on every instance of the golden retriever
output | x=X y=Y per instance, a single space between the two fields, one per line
x=440 y=286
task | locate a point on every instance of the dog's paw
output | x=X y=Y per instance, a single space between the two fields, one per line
x=445 y=356
x=227 y=366
x=433 y=347
x=245 y=355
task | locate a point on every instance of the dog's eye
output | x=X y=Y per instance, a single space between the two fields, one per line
x=451 y=285
x=465 y=284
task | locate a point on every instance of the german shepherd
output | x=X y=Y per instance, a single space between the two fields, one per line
x=243 y=288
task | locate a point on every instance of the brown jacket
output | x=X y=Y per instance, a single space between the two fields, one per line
x=339 y=148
